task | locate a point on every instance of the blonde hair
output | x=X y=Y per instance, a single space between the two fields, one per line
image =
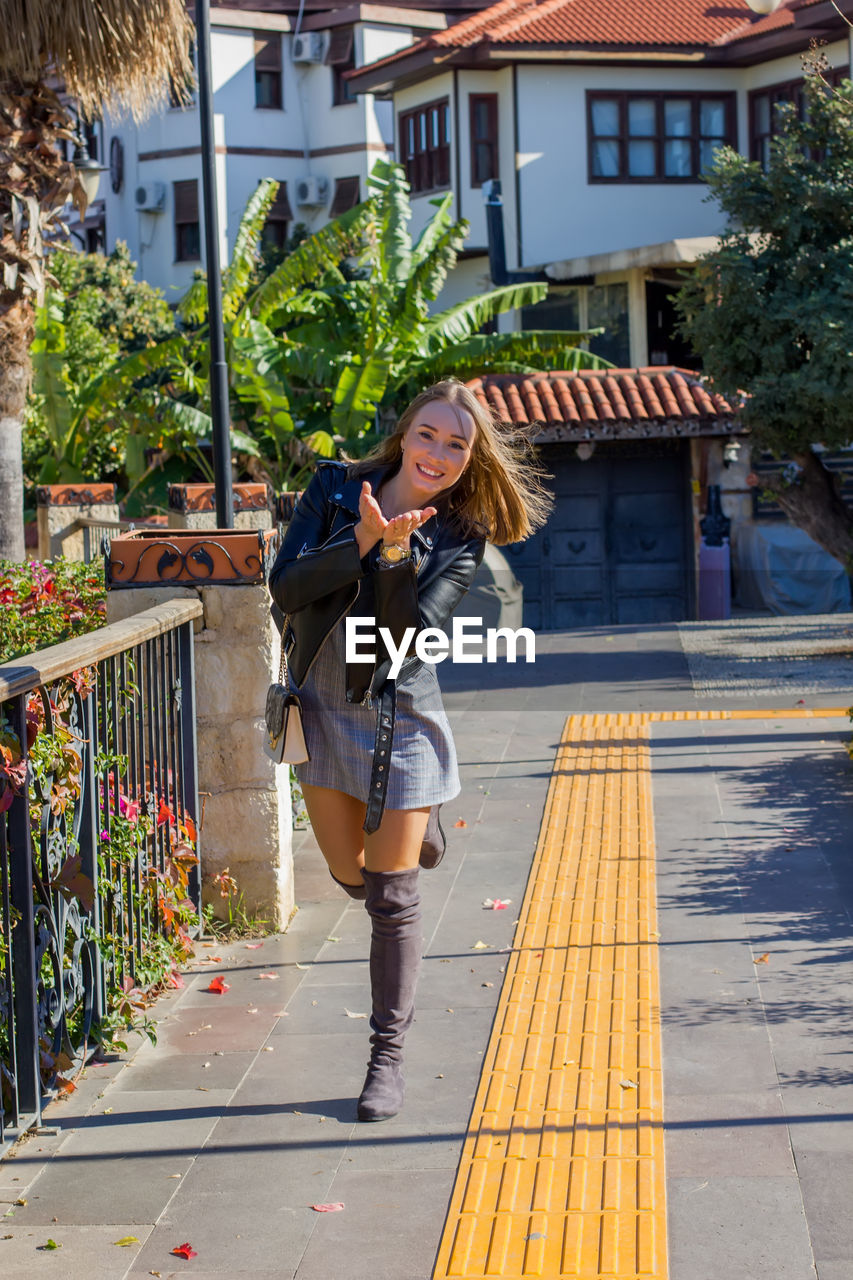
x=501 y=492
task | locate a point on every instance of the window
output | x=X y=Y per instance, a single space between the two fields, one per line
x=425 y=146
x=345 y=197
x=656 y=137
x=764 y=123
x=483 y=117
x=274 y=230
x=560 y=310
x=182 y=95
x=187 y=228
x=268 y=71
x=340 y=56
x=579 y=307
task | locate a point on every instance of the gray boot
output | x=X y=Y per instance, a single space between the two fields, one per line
x=435 y=842
x=394 y=906
x=354 y=890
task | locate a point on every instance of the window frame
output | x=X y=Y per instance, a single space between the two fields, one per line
x=443 y=152
x=660 y=97
x=264 y=40
x=493 y=104
x=342 y=93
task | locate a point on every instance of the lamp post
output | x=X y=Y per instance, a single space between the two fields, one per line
x=219 y=408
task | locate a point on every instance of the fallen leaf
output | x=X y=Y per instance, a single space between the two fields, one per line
x=268 y=1048
x=218 y=986
x=328 y=1208
x=461 y=823
x=536 y=1235
x=20 y=1200
x=487 y=984
x=174 y=1175
x=175 y=980
x=51 y=1244
x=272 y=976
x=350 y=1014
x=481 y=946
x=765 y=959
x=253 y=946
x=108 y=1111
x=184 y=1251
x=302 y=966
x=629 y=1084
x=332 y=939
x=126 y=1241
x=251 y=1011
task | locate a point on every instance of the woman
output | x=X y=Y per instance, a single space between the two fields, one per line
x=395 y=538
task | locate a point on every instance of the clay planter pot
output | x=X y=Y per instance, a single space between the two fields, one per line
x=192 y=557
x=85 y=494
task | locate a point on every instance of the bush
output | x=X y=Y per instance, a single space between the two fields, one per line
x=44 y=603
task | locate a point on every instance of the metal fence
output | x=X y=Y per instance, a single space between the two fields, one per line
x=98 y=792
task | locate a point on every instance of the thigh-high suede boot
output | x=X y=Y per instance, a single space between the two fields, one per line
x=394 y=906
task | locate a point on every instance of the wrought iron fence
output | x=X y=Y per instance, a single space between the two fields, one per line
x=98 y=837
x=97 y=533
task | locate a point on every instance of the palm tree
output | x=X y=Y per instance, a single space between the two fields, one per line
x=126 y=54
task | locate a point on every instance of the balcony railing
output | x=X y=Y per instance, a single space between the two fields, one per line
x=98 y=840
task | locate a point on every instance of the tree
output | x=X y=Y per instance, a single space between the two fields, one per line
x=339 y=334
x=99 y=314
x=771 y=309
x=127 y=54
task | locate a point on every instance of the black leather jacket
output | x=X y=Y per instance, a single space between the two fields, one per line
x=318 y=577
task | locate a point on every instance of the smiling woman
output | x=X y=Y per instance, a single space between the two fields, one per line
x=393 y=541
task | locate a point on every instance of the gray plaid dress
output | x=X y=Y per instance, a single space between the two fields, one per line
x=341 y=735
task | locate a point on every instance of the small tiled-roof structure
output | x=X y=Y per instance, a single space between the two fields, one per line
x=611 y=404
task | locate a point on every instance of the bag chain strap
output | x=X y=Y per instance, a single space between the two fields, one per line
x=283 y=675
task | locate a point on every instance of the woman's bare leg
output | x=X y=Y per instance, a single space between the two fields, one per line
x=396 y=846
x=336 y=820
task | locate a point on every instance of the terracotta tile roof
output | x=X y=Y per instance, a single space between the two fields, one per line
x=601 y=23
x=613 y=402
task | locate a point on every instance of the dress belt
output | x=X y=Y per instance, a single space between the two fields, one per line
x=386 y=707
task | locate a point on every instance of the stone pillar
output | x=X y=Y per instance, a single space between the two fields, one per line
x=245 y=798
x=60 y=506
x=193 y=506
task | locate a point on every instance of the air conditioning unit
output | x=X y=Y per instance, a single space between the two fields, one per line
x=150 y=198
x=309 y=47
x=311 y=190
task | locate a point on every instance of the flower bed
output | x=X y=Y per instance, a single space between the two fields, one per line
x=43 y=603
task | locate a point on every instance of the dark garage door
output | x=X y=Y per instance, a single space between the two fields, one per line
x=617 y=546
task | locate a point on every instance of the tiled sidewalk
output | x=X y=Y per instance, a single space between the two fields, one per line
x=243 y=1115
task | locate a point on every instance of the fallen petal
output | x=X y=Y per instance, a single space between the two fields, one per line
x=328 y=1208
x=350 y=1014
x=271 y=976
x=253 y=946
x=185 y=1251
x=629 y=1084
x=219 y=986
x=461 y=823
x=126 y=1241
x=481 y=946
x=765 y=959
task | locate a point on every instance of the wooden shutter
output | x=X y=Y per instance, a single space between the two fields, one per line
x=280 y=210
x=345 y=197
x=267 y=51
x=186 y=201
x=339 y=51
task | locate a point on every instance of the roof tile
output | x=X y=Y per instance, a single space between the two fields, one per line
x=590 y=397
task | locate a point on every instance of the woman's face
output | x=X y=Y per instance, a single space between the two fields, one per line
x=436 y=448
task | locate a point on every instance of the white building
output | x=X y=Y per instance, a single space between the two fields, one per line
x=283 y=110
x=598 y=117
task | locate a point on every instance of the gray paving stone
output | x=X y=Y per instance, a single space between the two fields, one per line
x=827 y=1189
x=85 y=1252
x=708 y=1135
x=738 y=1228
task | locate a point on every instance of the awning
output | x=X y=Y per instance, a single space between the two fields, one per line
x=671 y=253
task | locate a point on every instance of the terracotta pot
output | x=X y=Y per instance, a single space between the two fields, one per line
x=202 y=497
x=213 y=557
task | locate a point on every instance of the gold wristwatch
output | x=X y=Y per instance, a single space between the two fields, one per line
x=390 y=554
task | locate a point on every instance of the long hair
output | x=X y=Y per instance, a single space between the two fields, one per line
x=501 y=491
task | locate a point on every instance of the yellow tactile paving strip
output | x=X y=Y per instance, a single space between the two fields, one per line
x=562 y=1169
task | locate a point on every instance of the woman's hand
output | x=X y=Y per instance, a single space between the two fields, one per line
x=371 y=524
x=400 y=529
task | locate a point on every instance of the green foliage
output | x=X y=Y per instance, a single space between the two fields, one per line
x=97 y=314
x=336 y=337
x=45 y=603
x=771 y=310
